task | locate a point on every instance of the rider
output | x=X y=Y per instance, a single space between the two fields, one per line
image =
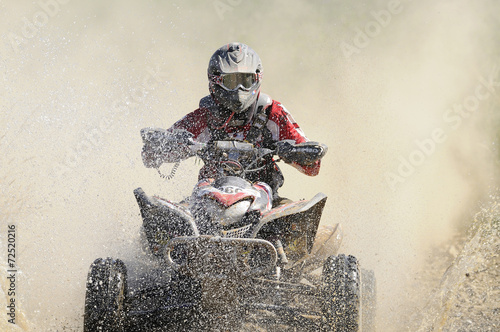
x=236 y=109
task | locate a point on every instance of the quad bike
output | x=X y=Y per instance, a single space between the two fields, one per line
x=230 y=260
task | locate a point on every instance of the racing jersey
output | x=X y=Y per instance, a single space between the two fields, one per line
x=280 y=124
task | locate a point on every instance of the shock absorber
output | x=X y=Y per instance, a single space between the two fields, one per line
x=281 y=253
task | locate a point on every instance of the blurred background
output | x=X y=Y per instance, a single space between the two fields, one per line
x=404 y=93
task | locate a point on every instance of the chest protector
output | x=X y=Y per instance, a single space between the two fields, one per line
x=258 y=134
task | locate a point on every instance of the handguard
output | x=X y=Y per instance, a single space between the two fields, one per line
x=305 y=153
x=178 y=136
x=166 y=146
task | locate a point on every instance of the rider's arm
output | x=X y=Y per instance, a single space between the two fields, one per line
x=284 y=127
x=194 y=122
x=311 y=170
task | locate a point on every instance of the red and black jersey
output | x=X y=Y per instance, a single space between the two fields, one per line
x=280 y=124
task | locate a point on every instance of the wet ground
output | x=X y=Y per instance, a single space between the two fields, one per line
x=463 y=276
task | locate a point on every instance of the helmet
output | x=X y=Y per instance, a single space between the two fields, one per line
x=235 y=76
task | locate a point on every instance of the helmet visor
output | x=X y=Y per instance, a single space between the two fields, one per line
x=233 y=81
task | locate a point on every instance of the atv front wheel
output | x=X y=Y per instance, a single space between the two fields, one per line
x=105 y=297
x=341 y=294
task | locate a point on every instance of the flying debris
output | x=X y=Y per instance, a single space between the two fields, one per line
x=229 y=258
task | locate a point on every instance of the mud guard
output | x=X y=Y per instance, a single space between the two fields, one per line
x=295 y=224
x=163 y=220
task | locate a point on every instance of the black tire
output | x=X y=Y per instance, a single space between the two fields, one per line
x=105 y=297
x=341 y=294
x=368 y=300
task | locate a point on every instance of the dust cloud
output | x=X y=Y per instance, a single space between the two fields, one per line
x=402 y=92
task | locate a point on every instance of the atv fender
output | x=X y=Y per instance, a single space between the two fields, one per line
x=163 y=220
x=295 y=224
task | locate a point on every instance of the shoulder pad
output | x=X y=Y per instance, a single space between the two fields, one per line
x=207 y=102
x=264 y=100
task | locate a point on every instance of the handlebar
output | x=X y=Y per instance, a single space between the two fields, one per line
x=230 y=148
x=179 y=144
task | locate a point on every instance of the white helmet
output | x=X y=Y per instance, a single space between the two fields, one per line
x=235 y=76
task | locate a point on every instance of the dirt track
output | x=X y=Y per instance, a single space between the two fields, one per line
x=79 y=84
x=463 y=275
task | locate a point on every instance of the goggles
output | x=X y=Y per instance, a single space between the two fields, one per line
x=233 y=81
